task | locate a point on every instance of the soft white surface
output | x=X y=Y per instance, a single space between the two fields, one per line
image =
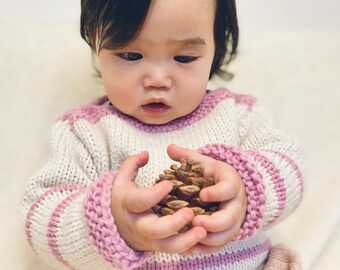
x=45 y=69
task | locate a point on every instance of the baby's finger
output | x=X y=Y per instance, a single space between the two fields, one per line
x=129 y=169
x=221 y=191
x=154 y=227
x=180 y=243
x=138 y=200
x=223 y=219
x=217 y=239
x=176 y=153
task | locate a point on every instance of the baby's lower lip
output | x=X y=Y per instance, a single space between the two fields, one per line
x=155 y=108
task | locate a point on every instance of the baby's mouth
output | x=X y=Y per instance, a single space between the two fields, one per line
x=155 y=108
x=156 y=104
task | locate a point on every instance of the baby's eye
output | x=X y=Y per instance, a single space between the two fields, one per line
x=130 y=56
x=185 y=59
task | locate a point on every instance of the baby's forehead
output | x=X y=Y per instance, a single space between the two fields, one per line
x=167 y=24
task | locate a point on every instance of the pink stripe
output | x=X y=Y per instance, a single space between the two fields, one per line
x=214 y=260
x=293 y=165
x=53 y=225
x=276 y=179
x=252 y=180
x=102 y=230
x=94 y=111
x=39 y=201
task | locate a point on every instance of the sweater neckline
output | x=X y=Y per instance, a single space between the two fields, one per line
x=209 y=102
x=100 y=108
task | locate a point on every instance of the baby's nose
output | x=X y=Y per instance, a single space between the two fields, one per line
x=158 y=77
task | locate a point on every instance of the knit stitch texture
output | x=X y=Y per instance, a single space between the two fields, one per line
x=67 y=202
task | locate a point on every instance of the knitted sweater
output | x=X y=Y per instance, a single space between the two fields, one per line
x=67 y=203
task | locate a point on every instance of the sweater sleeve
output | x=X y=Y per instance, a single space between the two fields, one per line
x=67 y=209
x=268 y=161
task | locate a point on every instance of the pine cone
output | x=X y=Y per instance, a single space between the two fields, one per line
x=188 y=181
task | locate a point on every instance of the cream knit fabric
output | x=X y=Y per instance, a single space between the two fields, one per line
x=67 y=202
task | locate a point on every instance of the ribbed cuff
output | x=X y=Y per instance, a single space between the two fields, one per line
x=102 y=229
x=253 y=183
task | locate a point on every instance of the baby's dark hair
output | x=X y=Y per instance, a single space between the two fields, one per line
x=113 y=24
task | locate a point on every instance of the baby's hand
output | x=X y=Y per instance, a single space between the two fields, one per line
x=229 y=190
x=140 y=228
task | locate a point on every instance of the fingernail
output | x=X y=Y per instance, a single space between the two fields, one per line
x=187 y=216
x=168 y=185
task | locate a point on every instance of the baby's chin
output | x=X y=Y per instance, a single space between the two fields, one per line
x=155 y=121
x=164 y=120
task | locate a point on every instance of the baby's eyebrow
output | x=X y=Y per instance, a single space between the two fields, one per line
x=181 y=42
x=188 y=41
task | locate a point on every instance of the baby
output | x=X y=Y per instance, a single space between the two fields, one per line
x=90 y=206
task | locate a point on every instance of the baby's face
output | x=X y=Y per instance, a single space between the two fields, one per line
x=163 y=74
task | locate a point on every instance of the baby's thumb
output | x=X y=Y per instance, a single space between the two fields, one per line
x=129 y=169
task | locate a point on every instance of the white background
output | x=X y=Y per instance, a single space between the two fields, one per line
x=289 y=59
x=267 y=14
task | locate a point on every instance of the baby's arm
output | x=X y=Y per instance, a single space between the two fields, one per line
x=262 y=169
x=277 y=158
x=268 y=161
x=67 y=207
